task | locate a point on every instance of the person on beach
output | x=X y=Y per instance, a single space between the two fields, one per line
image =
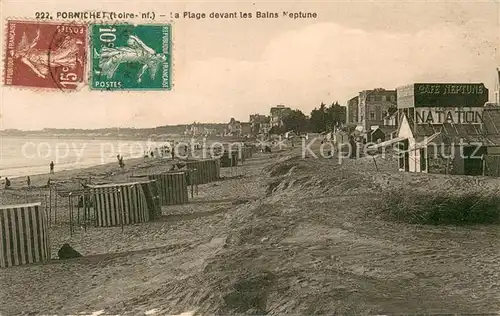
x=28 y=181
x=7 y=183
x=48 y=183
x=353 y=144
x=51 y=167
x=121 y=163
x=173 y=153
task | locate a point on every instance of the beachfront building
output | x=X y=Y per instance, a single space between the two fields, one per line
x=380 y=133
x=209 y=131
x=374 y=105
x=204 y=129
x=391 y=120
x=194 y=129
x=277 y=113
x=445 y=128
x=370 y=110
x=246 y=128
x=233 y=127
x=259 y=124
x=352 y=110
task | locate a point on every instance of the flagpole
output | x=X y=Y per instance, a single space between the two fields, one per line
x=497 y=93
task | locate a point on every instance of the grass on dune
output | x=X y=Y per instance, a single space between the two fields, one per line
x=441 y=208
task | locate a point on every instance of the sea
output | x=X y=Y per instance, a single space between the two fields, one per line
x=22 y=156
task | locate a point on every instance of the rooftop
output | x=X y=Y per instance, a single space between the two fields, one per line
x=487 y=133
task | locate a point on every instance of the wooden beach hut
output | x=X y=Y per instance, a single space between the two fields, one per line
x=251 y=150
x=124 y=203
x=243 y=155
x=24 y=236
x=152 y=195
x=207 y=170
x=229 y=159
x=247 y=152
x=172 y=187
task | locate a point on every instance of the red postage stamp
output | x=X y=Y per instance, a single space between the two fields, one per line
x=45 y=55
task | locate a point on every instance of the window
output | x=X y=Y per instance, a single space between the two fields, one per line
x=372 y=115
x=393 y=98
x=378 y=98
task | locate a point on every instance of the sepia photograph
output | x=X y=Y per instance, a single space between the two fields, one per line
x=198 y=158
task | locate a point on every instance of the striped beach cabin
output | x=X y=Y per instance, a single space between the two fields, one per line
x=24 y=235
x=229 y=159
x=246 y=152
x=124 y=203
x=153 y=195
x=172 y=187
x=207 y=170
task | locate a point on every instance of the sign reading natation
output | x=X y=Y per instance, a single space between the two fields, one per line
x=453 y=116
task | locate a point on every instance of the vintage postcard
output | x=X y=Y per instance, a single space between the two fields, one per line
x=199 y=158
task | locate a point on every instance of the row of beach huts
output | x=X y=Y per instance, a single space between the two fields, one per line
x=25 y=231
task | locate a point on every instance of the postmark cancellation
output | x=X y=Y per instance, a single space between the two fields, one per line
x=45 y=54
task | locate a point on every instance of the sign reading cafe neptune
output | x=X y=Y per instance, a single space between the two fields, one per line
x=447 y=115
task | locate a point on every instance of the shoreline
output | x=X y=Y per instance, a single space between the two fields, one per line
x=67 y=169
x=104 y=171
x=38 y=180
x=126 y=137
x=14 y=170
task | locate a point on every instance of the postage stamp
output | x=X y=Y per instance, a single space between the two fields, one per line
x=45 y=55
x=131 y=57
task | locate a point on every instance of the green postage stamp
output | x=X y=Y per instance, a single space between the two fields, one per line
x=131 y=57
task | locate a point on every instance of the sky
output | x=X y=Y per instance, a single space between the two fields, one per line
x=234 y=68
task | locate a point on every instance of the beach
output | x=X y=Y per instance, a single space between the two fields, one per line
x=282 y=234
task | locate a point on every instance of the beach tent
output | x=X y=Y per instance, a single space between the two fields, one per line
x=152 y=195
x=125 y=203
x=24 y=236
x=172 y=187
x=229 y=159
x=207 y=170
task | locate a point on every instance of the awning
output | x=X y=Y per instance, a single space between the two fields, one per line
x=387 y=142
x=425 y=142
